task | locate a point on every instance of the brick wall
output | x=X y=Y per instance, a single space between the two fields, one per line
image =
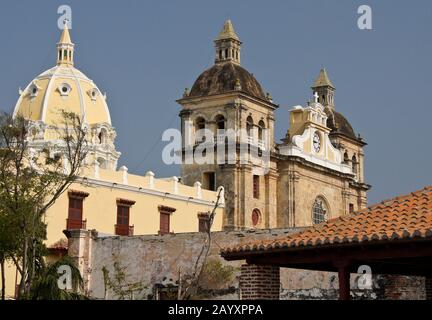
x=428 y=288
x=259 y=282
x=404 y=287
x=146 y=261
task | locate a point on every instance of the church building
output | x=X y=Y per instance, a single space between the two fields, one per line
x=315 y=174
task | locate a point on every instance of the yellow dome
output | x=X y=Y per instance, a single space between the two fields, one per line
x=63 y=88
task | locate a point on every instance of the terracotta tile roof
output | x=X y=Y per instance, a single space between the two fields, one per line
x=403 y=217
x=61 y=244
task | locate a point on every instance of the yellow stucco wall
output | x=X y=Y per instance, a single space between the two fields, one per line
x=100 y=208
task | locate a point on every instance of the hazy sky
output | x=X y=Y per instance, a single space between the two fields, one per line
x=144 y=53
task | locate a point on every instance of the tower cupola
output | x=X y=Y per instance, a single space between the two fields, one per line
x=325 y=89
x=227 y=45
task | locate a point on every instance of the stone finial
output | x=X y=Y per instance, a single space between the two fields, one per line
x=124 y=169
x=269 y=97
x=175 y=181
x=151 y=176
x=198 y=189
x=186 y=92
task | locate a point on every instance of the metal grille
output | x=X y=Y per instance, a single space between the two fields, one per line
x=319 y=211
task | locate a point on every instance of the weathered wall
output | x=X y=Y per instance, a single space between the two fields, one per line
x=142 y=263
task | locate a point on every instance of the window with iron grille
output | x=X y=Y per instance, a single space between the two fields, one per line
x=319 y=211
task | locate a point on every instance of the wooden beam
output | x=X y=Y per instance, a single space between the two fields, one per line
x=344 y=282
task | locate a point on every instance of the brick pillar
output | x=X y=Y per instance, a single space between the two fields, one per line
x=79 y=249
x=428 y=287
x=259 y=282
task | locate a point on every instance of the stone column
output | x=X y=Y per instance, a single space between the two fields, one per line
x=259 y=282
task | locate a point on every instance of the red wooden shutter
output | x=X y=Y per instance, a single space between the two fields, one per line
x=164 y=223
x=75 y=209
x=122 y=215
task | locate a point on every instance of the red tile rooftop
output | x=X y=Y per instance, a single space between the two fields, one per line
x=403 y=217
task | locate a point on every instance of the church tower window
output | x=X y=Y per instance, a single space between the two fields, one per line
x=354 y=164
x=249 y=125
x=256 y=186
x=209 y=181
x=261 y=127
x=199 y=124
x=220 y=122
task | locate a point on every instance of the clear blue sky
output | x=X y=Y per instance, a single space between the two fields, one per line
x=144 y=53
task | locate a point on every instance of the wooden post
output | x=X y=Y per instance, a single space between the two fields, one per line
x=344 y=282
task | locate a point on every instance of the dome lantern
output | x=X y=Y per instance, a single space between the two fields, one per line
x=65 y=47
x=324 y=89
x=227 y=45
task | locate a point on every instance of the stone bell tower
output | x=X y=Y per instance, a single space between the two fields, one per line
x=227 y=97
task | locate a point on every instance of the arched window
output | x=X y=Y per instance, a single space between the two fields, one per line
x=354 y=164
x=220 y=122
x=261 y=127
x=199 y=123
x=220 y=54
x=249 y=125
x=102 y=136
x=345 y=160
x=64 y=55
x=226 y=53
x=319 y=211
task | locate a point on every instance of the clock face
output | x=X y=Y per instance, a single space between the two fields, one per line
x=316 y=142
